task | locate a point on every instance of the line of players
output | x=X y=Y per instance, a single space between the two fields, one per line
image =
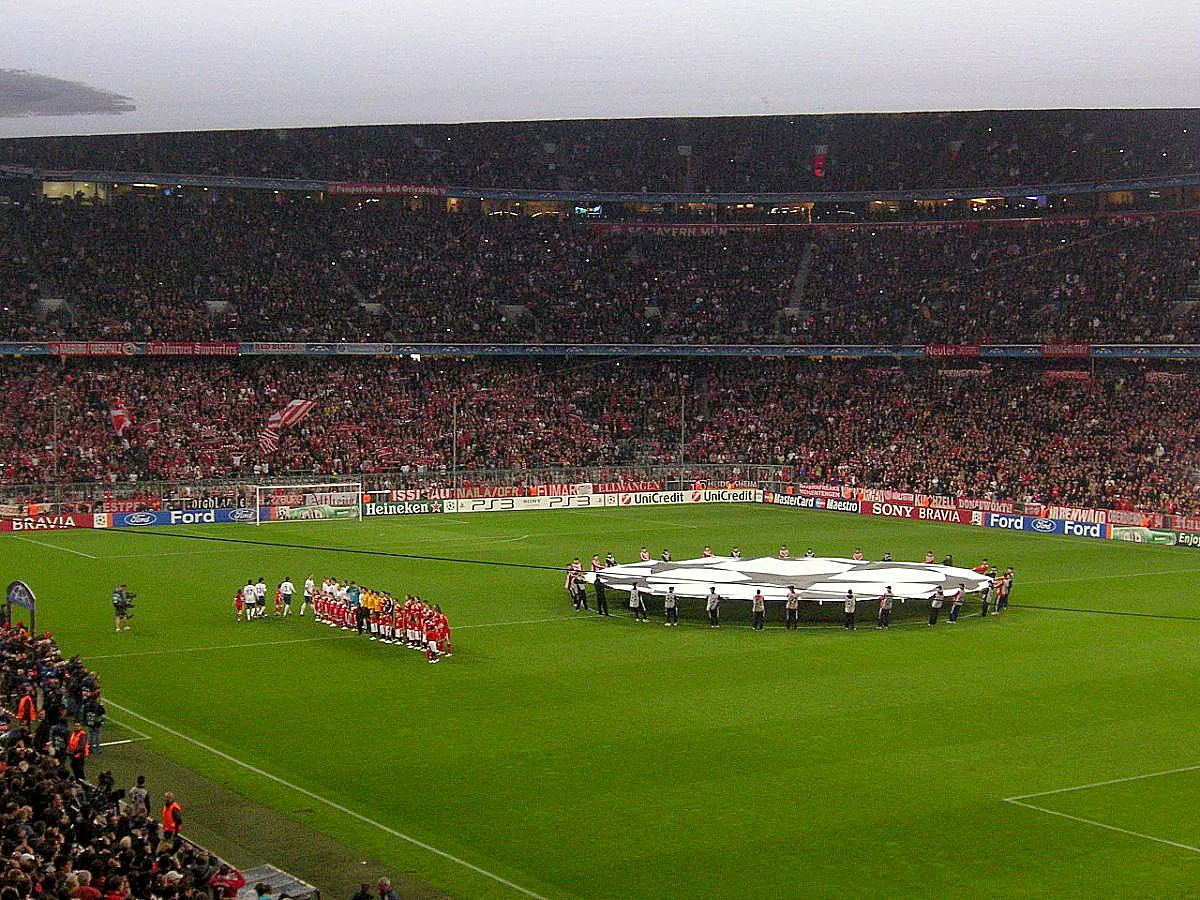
x=994 y=598
x=413 y=623
x=349 y=606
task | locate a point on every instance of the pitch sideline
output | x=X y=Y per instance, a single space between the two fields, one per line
x=1020 y=800
x=330 y=803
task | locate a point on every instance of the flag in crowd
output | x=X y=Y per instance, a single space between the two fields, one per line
x=120 y=417
x=294 y=412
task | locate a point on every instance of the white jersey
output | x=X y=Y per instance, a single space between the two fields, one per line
x=287 y=588
x=308 y=587
x=260 y=591
x=248 y=595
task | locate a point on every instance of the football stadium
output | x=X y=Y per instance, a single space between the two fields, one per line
x=638 y=506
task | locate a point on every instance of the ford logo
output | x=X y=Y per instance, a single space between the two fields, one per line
x=1043 y=525
x=142 y=518
x=242 y=515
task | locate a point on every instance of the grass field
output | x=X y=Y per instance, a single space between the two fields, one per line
x=571 y=756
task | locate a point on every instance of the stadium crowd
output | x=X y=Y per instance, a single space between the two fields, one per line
x=1120 y=438
x=293 y=271
x=61 y=837
x=762 y=153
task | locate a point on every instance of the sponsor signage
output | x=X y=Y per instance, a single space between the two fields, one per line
x=1141 y=535
x=94 y=348
x=186 y=517
x=1187 y=539
x=895 y=510
x=403 y=508
x=1038 y=525
x=47 y=523
x=799 y=501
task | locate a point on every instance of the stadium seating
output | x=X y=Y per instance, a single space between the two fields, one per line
x=373 y=272
x=773 y=153
x=1113 y=439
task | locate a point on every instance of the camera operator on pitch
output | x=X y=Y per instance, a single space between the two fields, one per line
x=122 y=601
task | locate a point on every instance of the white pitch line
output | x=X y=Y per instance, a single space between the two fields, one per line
x=329 y=637
x=30 y=540
x=141 y=734
x=331 y=804
x=1093 y=822
x=524 y=622
x=1111 y=577
x=1096 y=784
x=126 y=741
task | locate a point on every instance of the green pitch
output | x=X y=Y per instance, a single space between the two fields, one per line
x=571 y=756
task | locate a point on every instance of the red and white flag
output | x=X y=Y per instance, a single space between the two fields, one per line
x=268 y=438
x=120 y=417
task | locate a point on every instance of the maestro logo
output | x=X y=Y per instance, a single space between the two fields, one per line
x=242 y=515
x=141 y=518
x=1043 y=525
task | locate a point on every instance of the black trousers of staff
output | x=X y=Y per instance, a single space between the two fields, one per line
x=849 y=623
x=601 y=600
x=759 y=615
x=714 y=617
x=934 y=612
x=673 y=615
x=792 y=617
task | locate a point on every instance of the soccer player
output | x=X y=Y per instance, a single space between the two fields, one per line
x=712 y=605
x=644 y=555
x=848 y=607
x=885 y=609
x=309 y=592
x=792 y=606
x=671 y=607
x=279 y=600
x=759 y=607
x=239 y=604
x=707 y=551
x=249 y=599
x=260 y=596
x=784 y=552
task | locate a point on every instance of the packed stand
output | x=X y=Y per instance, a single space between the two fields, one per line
x=769 y=153
x=66 y=838
x=307 y=271
x=1119 y=438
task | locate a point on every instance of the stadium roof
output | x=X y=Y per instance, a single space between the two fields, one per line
x=133 y=67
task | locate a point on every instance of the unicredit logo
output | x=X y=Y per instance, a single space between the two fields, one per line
x=142 y=518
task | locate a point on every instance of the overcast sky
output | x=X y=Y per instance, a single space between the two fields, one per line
x=270 y=63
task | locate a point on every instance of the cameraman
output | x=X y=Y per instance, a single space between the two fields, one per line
x=122 y=599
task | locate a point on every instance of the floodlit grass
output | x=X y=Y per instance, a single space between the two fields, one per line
x=580 y=757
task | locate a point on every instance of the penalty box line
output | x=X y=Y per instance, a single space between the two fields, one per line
x=330 y=803
x=1022 y=800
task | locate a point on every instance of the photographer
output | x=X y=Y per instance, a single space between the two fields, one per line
x=122 y=601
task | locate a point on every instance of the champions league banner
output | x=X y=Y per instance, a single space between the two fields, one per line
x=816 y=580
